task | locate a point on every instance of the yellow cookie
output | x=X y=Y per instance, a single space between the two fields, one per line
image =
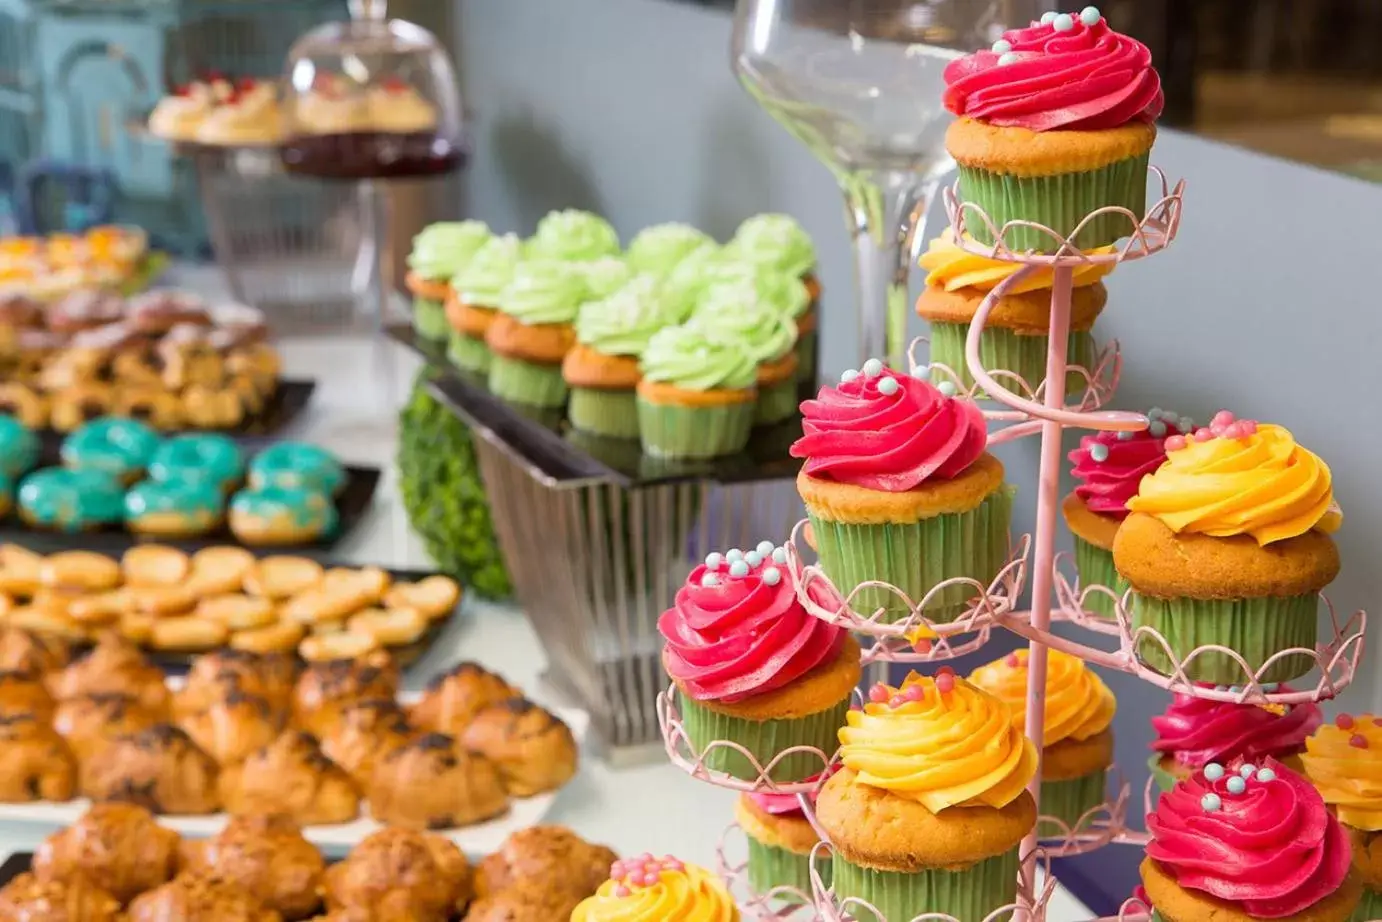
x=218 y=570
x=282 y=577
x=155 y=565
x=392 y=628
x=322 y=604
x=137 y=628
x=100 y=608
x=370 y=582
x=84 y=570
x=322 y=648
x=238 y=612
x=162 y=601
x=19 y=570
x=279 y=637
x=41 y=621
x=6 y=606
x=435 y=596
x=187 y=633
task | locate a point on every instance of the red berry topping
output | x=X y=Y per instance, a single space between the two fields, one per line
x=1344 y=722
x=1358 y=741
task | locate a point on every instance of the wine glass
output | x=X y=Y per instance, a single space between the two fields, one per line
x=859 y=82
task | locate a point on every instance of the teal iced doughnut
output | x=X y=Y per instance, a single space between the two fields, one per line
x=116 y=446
x=18 y=448
x=281 y=515
x=67 y=500
x=211 y=459
x=174 y=508
x=6 y=494
x=299 y=466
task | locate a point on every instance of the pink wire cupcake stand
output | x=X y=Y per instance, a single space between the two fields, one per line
x=1021 y=411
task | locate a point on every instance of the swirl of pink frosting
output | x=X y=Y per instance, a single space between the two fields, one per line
x=1196 y=731
x=1086 y=78
x=1110 y=465
x=888 y=436
x=1272 y=848
x=737 y=630
x=790 y=804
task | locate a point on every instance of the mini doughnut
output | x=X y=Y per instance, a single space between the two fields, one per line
x=219 y=570
x=159 y=408
x=155 y=565
x=173 y=509
x=116 y=446
x=213 y=459
x=297 y=465
x=212 y=407
x=83 y=571
x=279 y=637
x=73 y=407
x=18 y=448
x=66 y=500
x=281 y=576
x=26 y=405
x=187 y=634
x=276 y=516
x=435 y=596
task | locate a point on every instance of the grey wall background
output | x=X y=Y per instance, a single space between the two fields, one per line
x=1265 y=304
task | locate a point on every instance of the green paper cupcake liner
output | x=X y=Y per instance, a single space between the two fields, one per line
x=1256 y=628
x=970 y=894
x=1068 y=800
x=429 y=319
x=468 y=353
x=1165 y=781
x=764 y=738
x=1059 y=202
x=1369 y=907
x=1095 y=566
x=671 y=431
x=806 y=356
x=771 y=866
x=776 y=403
x=917 y=557
x=526 y=382
x=604 y=412
x=1005 y=350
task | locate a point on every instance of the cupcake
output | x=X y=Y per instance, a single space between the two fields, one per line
x=778 y=244
x=659 y=249
x=473 y=301
x=1015 y=338
x=572 y=236
x=734 y=309
x=1108 y=467
x=1055 y=122
x=604 y=276
x=898 y=488
x=1196 y=731
x=1228 y=543
x=1077 y=742
x=1245 y=842
x=648 y=889
x=697 y=396
x=533 y=332
x=702 y=270
x=439 y=252
x=1343 y=760
x=602 y=368
x=781 y=840
x=931 y=805
x=751 y=666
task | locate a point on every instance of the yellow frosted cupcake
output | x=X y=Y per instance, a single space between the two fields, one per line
x=1077 y=745
x=931 y=805
x=1343 y=760
x=648 y=889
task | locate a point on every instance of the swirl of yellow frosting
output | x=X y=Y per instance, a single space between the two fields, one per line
x=1261 y=484
x=952 y=268
x=1078 y=703
x=651 y=889
x=1343 y=760
x=940 y=741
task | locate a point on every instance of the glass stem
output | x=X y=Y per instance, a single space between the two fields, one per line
x=886 y=212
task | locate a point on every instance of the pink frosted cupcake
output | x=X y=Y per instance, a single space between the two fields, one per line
x=781 y=839
x=1195 y=732
x=753 y=667
x=1108 y=467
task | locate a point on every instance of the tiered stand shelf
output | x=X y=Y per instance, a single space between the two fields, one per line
x=1021 y=411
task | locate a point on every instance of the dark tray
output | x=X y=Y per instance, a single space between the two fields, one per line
x=544 y=442
x=352 y=504
x=285 y=406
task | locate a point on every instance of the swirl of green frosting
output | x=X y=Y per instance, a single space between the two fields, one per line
x=442 y=250
x=482 y=281
x=692 y=359
x=783 y=292
x=659 y=249
x=573 y=236
x=544 y=291
x=735 y=309
x=604 y=276
x=702 y=270
x=775 y=240
x=622 y=323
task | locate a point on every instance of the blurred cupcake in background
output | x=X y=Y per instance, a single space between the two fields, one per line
x=533 y=332
x=473 y=301
x=439 y=252
x=572 y=236
x=1015 y=338
x=659 y=249
x=1343 y=760
x=698 y=394
x=602 y=369
x=780 y=842
x=778 y=242
x=734 y=309
x=1108 y=468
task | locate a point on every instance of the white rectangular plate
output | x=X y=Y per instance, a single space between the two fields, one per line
x=476 y=841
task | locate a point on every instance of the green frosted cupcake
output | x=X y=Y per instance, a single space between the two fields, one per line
x=604 y=276
x=780 y=843
x=697 y=396
x=778 y=246
x=735 y=309
x=534 y=331
x=602 y=369
x=572 y=236
x=439 y=252
x=658 y=250
x=702 y=270
x=474 y=301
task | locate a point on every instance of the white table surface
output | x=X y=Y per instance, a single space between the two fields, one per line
x=652 y=807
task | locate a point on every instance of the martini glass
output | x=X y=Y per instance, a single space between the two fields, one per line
x=859 y=82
